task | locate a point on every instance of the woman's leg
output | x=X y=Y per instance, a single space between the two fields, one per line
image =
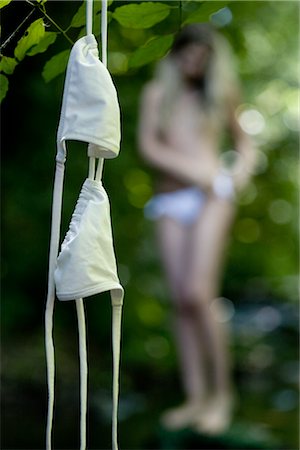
x=209 y=238
x=171 y=236
x=174 y=242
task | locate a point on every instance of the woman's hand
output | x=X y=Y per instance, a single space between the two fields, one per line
x=241 y=180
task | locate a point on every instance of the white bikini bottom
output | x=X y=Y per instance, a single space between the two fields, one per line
x=185 y=205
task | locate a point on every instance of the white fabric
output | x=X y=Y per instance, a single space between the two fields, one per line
x=90 y=109
x=86 y=264
x=223 y=186
x=183 y=205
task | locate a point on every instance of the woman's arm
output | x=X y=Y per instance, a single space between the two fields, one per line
x=156 y=152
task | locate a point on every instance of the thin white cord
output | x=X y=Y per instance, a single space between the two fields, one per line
x=116 y=341
x=83 y=371
x=104 y=32
x=116 y=308
x=104 y=61
x=92 y=162
x=89 y=17
x=50 y=366
x=54 y=244
x=99 y=169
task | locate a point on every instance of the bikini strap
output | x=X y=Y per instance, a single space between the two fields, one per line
x=89 y=30
x=89 y=16
x=89 y=26
x=83 y=370
x=116 y=344
x=104 y=32
x=116 y=301
x=54 y=246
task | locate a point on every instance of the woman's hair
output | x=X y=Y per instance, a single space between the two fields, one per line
x=219 y=82
x=201 y=34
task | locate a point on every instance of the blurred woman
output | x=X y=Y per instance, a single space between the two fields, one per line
x=185 y=110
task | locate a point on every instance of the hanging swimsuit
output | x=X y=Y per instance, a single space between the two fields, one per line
x=86 y=263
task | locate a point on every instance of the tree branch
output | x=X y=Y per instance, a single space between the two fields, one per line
x=15 y=31
x=43 y=11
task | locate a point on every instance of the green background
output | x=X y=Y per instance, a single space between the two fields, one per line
x=261 y=271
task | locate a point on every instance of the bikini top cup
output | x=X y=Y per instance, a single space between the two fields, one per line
x=86 y=262
x=90 y=109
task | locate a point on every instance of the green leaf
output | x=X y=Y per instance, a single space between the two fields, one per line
x=3 y=86
x=7 y=64
x=33 y=35
x=56 y=65
x=142 y=15
x=96 y=27
x=4 y=3
x=154 y=49
x=205 y=10
x=79 y=19
x=44 y=43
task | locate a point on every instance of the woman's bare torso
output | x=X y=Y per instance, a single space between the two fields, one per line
x=190 y=132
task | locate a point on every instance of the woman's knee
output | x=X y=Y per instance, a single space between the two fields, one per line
x=193 y=300
x=200 y=292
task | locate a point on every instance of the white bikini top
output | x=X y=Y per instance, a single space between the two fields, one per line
x=86 y=262
x=90 y=109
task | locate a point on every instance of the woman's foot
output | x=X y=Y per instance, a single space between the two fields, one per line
x=182 y=416
x=216 y=416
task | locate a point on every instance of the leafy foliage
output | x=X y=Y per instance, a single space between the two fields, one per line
x=33 y=36
x=4 y=3
x=3 y=86
x=153 y=50
x=7 y=64
x=204 y=11
x=79 y=18
x=56 y=65
x=143 y=15
x=132 y=16
x=48 y=39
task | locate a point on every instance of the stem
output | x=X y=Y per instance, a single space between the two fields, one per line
x=43 y=11
x=57 y=26
x=16 y=30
